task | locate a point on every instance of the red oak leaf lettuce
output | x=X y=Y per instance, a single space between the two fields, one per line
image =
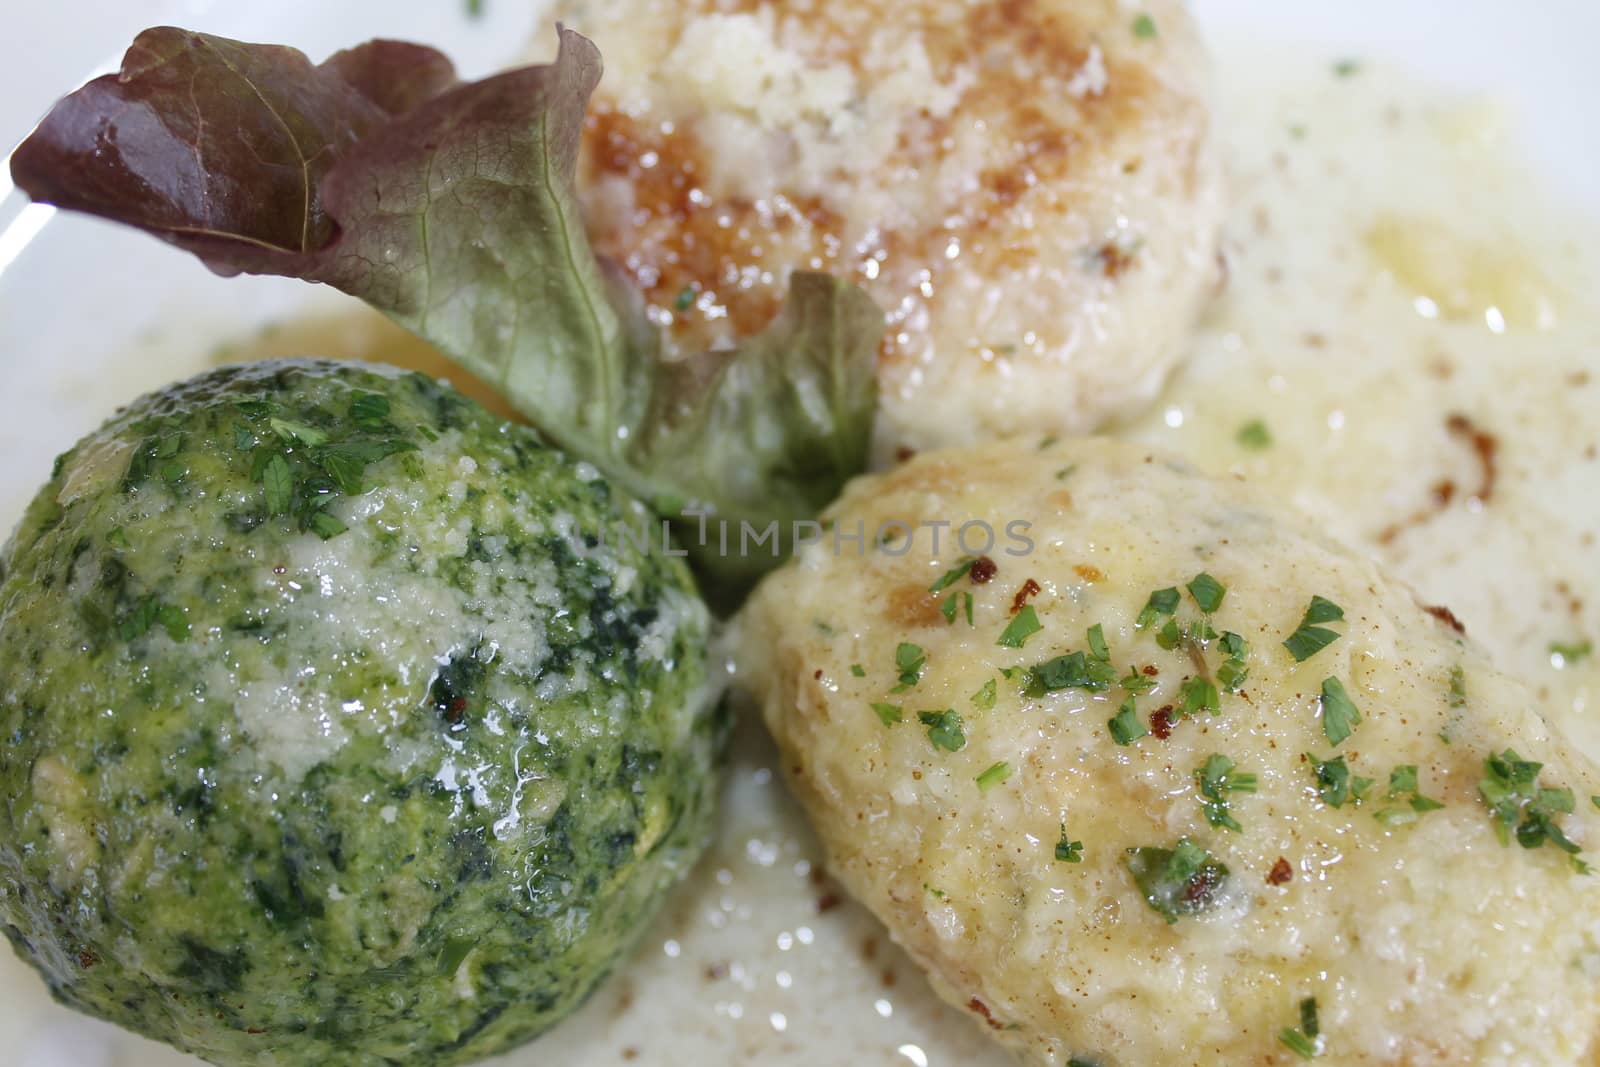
x=450 y=206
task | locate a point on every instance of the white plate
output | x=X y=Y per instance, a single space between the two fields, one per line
x=743 y=966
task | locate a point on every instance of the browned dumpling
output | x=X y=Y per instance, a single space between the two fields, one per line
x=1087 y=785
x=1027 y=187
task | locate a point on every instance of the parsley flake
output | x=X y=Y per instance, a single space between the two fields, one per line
x=858 y=670
x=1196 y=695
x=1403 y=786
x=1566 y=654
x=1178 y=881
x=151 y=612
x=369 y=407
x=909 y=660
x=1335 y=784
x=1236 y=668
x=1021 y=627
x=1339 y=713
x=953 y=575
x=1074 y=670
x=950 y=605
x=889 y=714
x=1161 y=602
x=1522 y=808
x=983 y=699
x=993 y=776
x=278 y=484
x=1207 y=592
x=1309 y=637
x=1125 y=726
x=1216 y=778
x=297 y=432
x=944 y=729
x=324 y=524
x=1067 y=850
x=1136 y=681
x=1306 y=1042
x=1097 y=643
x=1254 y=435
x=1144 y=27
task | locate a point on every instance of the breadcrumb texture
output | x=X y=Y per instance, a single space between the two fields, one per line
x=1027 y=187
x=1424 y=941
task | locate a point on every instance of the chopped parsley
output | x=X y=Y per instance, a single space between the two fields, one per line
x=1161 y=602
x=944 y=729
x=277 y=483
x=1021 y=627
x=1144 y=27
x=1403 y=786
x=858 y=670
x=1335 y=784
x=1074 y=670
x=151 y=612
x=1563 y=654
x=983 y=699
x=1178 y=881
x=1125 y=726
x=1346 y=68
x=1521 y=808
x=1067 y=850
x=1310 y=637
x=685 y=299
x=1136 y=681
x=1458 y=687
x=1216 y=778
x=909 y=660
x=1207 y=592
x=324 y=524
x=1403 y=779
x=1196 y=695
x=1236 y=668
x=302 y=468
x=1169 y=635
x=297 y=432
x=1306 y=1042
x=1339 y=713
x=889 y=713
x=993 y=776
x=370 y=410
x=1097 y=643
x=1197 y=632
x=1254 y=435
x=953 y=575
x=951 y=602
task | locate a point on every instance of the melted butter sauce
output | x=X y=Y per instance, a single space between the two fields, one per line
x=1405 y=310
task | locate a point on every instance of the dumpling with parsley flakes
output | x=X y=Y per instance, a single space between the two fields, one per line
x=1166 y=777
x=333 y=733
x=1030 y=190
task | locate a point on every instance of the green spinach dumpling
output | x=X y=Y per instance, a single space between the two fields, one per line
x=339 y=725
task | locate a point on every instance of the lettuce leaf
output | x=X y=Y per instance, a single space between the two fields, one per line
x=451 y=207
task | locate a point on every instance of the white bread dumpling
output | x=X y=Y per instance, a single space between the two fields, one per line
x=1352 y=856
x=1029 y=188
